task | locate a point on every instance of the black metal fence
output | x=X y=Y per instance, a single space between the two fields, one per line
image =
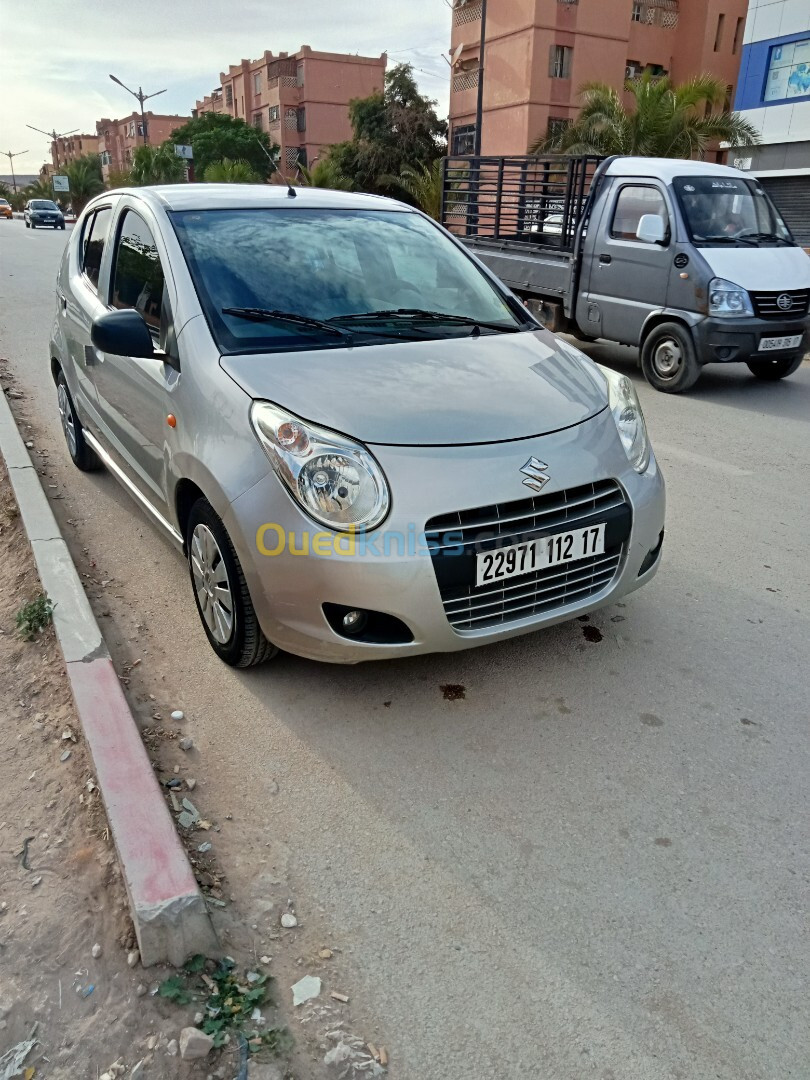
x=537 y=200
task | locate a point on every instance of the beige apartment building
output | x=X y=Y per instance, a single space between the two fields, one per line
x=300 y=100
x=67 y=148
x=538 y=53
x=118 y=139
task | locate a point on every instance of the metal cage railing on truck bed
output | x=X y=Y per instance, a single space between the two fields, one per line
x=534 y=200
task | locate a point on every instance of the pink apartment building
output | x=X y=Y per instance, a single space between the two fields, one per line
x=67 y=148
x=300 y=100
x=538 y=53
x=117 y=139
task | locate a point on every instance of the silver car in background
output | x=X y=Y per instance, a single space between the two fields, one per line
x=365 y=446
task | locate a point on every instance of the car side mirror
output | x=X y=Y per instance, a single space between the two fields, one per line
x=652 y=229
x=122 y=333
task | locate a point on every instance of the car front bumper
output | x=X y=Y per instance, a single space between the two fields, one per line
x=289 y=589
x=50 y=222
x=729 y=340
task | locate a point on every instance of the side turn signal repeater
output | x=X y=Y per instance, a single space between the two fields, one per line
x=171 y=420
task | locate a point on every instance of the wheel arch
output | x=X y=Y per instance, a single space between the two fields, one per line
x=687 y=319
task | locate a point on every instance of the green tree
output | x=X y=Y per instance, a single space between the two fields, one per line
x=665 y=120
x=324 y=174
x=394 y=128
x=84 y=177
x=157 y=165
x=216 y=136
x=421 y=185
x=38 y=189
x=230 y=172
x=5 y=192
x=118 y=178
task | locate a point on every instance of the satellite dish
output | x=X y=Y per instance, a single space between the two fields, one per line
x=456 y=54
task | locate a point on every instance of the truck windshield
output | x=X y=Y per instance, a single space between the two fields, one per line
x=288 y=278
x=725 y=210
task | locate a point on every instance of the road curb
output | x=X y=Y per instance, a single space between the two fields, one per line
x=168 y=910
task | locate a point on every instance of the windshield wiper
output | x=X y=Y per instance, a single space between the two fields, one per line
x=255 y=314
x=722 y=238
x=769 y=236
x=421 y=315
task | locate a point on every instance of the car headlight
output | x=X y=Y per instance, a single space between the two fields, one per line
x=727 y=299
x=628 y=417
x=333 y=478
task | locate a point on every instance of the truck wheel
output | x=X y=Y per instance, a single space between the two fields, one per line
x=668 y=358
x=220 y=590
x=771 y=370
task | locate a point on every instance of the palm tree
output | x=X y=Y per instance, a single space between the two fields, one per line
x=324 y=174
x=118 y=178
x=156 y=165
x=422 y=184
x=665 y=120
x=84 y=178
x=230 y=172
x=38 y=189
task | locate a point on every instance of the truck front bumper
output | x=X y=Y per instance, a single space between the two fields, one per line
x=728 y=340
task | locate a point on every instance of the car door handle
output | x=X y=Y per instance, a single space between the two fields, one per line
x=62 y=301
x=605 y=259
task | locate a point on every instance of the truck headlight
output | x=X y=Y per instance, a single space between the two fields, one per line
x=727 y=299
x=333 y=478
x=628 y=417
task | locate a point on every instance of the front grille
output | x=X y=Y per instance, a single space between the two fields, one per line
x=456 y=539
x=766 y=304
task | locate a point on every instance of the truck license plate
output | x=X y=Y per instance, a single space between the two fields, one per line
x=532 y=555
x=768 y=343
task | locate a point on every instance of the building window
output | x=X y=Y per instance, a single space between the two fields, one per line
x=257 y=82
x=141 y=128
x=556 y=126
x=788 y=71
x=302 y=119
x=257 y=121
x=737 y=33
x=559 y=66
x=718 y=37
x=274 y=113
x=463 y=141
x=299 y=74
x=229 y=95
x=636 y=13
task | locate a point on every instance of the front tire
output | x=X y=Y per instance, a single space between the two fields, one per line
x=771 y=370
x=28 y=224
x=82 y=456
x=221 y=593
x=668 y=358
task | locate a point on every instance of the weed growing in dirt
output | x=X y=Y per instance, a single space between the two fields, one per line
x=32 y=618
x=231 y=1004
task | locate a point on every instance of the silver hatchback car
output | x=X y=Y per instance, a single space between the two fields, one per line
x=365 y=446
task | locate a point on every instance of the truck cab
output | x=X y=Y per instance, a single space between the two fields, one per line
x=688 y=261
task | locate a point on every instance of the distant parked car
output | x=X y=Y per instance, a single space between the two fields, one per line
x=5 y=208
x=43 y=212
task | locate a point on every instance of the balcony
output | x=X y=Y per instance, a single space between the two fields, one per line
x=662 y=13
x=467 y=12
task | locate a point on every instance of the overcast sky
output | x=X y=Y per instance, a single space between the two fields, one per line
x=56 y=56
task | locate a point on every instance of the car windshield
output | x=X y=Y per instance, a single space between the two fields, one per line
x=722 y=210
x=379 y=270
x=4 y=202
x=43 y=204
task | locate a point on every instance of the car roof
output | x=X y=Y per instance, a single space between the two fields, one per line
x=667 y=169
x=255 y=196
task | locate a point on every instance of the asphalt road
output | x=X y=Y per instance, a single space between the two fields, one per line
x=596 y=863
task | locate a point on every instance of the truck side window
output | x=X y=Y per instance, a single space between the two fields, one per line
x=633 y=202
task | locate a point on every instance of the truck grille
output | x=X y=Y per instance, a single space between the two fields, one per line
x=456 y=539
x=766 y=304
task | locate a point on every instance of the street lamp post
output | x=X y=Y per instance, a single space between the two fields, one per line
x=54 y=136
x=141 y=97
x=10 y=156
x=479 y=106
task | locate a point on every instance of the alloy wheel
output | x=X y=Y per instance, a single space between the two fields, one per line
x=66 y=416
x=211 y=582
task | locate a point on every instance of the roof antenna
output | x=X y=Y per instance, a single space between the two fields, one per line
x=291 y=192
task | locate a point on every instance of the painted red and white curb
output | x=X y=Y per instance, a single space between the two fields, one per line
x=169 y=912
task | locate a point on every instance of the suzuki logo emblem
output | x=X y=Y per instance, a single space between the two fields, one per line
x=536 y=476
x=784 y=301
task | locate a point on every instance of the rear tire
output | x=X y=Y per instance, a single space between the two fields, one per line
x=668 y=358
x=81 y=454
x=771 y=370
x=220 y=591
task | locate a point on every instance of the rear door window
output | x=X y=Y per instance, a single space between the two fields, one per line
x=95 y=239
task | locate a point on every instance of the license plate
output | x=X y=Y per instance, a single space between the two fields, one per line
x=768 y=343
x=517 y=559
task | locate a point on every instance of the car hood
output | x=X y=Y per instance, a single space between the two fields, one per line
x=766 y=269
x=432 y=393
